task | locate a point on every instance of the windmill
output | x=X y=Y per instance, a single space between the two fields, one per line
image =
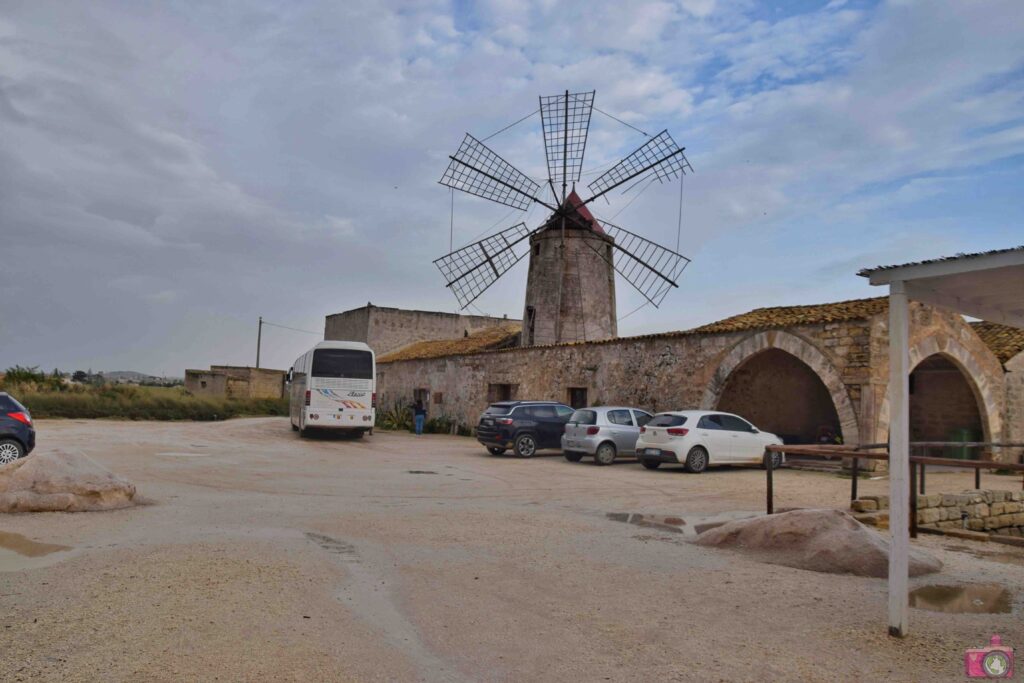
x=570 y=292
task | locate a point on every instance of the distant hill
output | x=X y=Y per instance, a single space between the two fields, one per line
x=132 y=376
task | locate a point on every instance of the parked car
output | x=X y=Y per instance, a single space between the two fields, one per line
x=524 y=426
x=17 y=435
x=698 y=438
x=604 y=432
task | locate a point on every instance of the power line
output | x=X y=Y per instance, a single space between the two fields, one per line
x=293 y=329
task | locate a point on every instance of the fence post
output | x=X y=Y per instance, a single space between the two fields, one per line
x=922 y=478
x=855 y=471
x=913 y=501
x=768 y=470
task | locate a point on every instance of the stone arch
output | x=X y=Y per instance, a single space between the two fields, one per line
x=803 y=351
x=971 y=366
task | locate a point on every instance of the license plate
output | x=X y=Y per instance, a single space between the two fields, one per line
x=650 y=451
x=487 y=422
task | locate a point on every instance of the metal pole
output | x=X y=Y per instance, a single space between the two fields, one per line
x=771 y=491
x=899 y=458
x=259 y=341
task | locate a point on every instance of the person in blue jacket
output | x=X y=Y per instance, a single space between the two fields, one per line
x=419 y=413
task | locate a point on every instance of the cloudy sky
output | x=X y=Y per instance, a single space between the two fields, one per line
x=171 y=171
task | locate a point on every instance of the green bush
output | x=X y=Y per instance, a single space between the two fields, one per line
x=132 y=402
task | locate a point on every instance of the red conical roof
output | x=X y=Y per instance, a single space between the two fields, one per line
x=583 y=212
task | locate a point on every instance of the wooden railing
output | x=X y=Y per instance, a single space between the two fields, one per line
x=858 y=453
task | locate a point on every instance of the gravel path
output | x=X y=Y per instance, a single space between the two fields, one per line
x=258 y=556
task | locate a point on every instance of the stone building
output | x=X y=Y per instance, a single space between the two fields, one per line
x=803 y=372
x=388 y=329
x=570 y=287
x=235 y=381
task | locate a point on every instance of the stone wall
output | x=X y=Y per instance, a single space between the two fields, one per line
x=1014 y=422
x=985 y=510
x=688 y=370
x=389 y=329
x=234 y=381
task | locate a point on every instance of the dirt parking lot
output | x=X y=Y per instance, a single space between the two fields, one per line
x=258 y=556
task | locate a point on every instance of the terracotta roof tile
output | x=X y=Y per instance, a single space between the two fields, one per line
x=488 y=339
x=787 y=316
x=1005 y=341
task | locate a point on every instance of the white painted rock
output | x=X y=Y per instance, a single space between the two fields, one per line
x=61 y=481
x=819 y=540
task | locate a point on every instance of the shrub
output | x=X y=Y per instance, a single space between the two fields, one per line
x=130 y=402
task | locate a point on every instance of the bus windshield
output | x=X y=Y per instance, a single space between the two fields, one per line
x=348 y=363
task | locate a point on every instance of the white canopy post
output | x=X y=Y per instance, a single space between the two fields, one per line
x=899 y=457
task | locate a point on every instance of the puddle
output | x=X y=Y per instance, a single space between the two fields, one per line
x=18 y=552
x=692 y=527
x=331 y=545
x=1008 y=557
x=420 y=472
x=970 y=599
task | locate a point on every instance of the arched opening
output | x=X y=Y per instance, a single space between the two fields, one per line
x=943 y=406
x=781 y=394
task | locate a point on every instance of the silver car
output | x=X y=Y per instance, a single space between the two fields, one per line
x=604 y=433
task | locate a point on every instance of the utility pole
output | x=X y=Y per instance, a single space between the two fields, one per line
x=259 y=339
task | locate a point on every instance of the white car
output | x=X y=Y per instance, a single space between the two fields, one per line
x=698 y=438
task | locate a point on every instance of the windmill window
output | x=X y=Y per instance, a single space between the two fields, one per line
x=536 y=249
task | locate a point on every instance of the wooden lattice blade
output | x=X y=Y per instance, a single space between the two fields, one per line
x=469 y=271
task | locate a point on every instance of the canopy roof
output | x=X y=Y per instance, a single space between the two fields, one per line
x=988 y=285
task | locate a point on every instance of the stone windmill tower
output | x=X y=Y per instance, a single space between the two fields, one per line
x=570 y=291
x=570 y=288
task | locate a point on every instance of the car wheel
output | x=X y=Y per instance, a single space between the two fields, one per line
x=697 y=460
x=526 y=446
x=10 y=450
x=650 y=464
x=494 y=450
x=776 y=460
x=605 y=454
x=573 y=456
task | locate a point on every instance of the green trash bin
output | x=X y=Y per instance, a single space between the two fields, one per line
x=961 y=452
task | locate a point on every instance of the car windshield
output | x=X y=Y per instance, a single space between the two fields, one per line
x=347 y=363
x=498 y=409
x=667 y=421
x=584 y=417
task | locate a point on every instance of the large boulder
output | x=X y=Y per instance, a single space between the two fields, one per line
x=819 y=540
x=61 y=481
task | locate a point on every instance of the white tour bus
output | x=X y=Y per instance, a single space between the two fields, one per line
x=334 y=386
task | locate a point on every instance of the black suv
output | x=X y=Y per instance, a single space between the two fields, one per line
x=524 y=426
x=17 y=435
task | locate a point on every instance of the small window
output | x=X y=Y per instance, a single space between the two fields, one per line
x=620 y=417
x=584 y=417
x=500 y=392
x=541 y=412
x=438 y=398
x=577 y=397
x=667 y=421
x=642 y=418
x=735 y=424
x=711 y=422
x=536 y=249
x=202 y=384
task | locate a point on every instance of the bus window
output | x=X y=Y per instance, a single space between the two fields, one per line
x=348 y=363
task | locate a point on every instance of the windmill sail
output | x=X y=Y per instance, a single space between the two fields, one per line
x=660 y=156
x=649 y=267
x=469 y=271
x=475 y=168
x=565 y=120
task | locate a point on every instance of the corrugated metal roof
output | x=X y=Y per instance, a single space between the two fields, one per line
x=865 y=272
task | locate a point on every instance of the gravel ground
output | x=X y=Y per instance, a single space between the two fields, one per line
x=260 y=556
